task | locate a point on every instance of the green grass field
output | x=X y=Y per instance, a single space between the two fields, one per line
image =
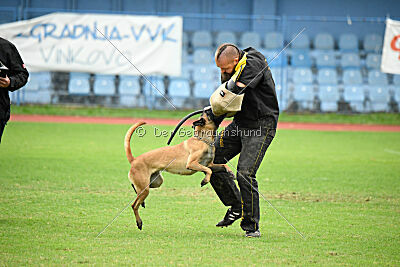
x=62 y=183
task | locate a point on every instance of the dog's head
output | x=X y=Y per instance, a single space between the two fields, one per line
x=208 y=120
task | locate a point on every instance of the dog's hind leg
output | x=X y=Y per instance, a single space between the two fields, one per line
x=143 y=205
x=143 y=193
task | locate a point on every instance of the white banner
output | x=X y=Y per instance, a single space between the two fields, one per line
x=84 y=43
x=391 y=48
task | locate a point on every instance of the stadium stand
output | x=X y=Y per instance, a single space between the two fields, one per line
x=179 y=91
x=324 y=41
x=104 y=85
x=129 y=91
x=373 y=61
x=350 y=60
x=325 y=59
x=355 y=97
x=352 y=77
x=273 y=41
x=348 y=43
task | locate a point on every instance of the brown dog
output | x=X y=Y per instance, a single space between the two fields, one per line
x=193 y=155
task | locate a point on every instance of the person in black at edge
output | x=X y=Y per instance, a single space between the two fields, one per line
x=13 y=75
x=245 y=71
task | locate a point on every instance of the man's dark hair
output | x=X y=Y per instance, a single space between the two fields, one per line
x=231 y=52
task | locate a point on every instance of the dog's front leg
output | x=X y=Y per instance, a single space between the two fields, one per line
x=193 y=164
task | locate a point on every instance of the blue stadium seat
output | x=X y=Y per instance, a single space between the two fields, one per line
x=375 y=77
x=373 y=61
x=379 y=97
x=396 y=80
x=104 y=85
x=354 y=95
x=324 y=41
x=350 y=60
x=327 y=76
x=302 y=76
x=37 y=89
x=279 y=76
x=273 y=41
x=129 y=91
x=325 y=59
x=79 y=83
x=250 y=39
x=373 y=43
x=129 y=85
x=203 y=89
x=301 y=58
x=179 y=90
x=225 y=37
x=158 y=82
x=329 y=96
x=397 y=94
x=202 y=39
x=187 y=70
x=273 y=57
x=203 y=72
x=352 y=77
x=304 y=95
x=302 y=42
x=202 y=56
x=348 y=43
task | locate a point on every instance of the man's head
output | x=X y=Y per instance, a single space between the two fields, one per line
x=227 y=57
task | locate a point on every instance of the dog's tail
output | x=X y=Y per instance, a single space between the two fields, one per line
x=128 y=137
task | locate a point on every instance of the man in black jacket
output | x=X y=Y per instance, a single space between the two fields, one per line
x=12 y=77
x=251 y=132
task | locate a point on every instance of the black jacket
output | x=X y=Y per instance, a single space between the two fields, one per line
x=17 y=73
x=260 y=99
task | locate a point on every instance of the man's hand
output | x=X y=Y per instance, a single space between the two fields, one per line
x=5 y=82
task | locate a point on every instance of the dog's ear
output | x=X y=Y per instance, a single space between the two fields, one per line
x=199 y=122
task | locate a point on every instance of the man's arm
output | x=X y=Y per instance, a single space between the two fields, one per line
x=18 y=74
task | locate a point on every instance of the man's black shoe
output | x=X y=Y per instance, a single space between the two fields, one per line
x=229 y=218
x=253 y=233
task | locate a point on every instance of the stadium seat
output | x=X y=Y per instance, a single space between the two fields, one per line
x=303 y=94
x=302 y=42
x=375 y=77
x=79 y=83
x=325 y=60
x=158 y=82
x=187 y=70
x=379 y=97
x=129 y=85
x=397 y=94
x=327 y=76
x=179 y=90
x=329 y=97
x=350 y=60
x=279 y=75
x=273 y=41
x=274 y=58
x=302 y=76
x=396 y=80
x=250 y=39
x=352 y=77
x=203 y=72
x=37 y=89
x=129 y=91
x=373 y=61
x=202 y=39
x=104 y=85
x=301 y=58
x=225 y=37
x=203 y=89
x=348 y=43
x=324 y=41
x=354 y=95
x=373 y=43
x=202 y=56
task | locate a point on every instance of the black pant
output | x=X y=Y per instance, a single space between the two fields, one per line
x=2 y=126
x=252 y=145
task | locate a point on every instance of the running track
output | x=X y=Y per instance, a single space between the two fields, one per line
x=153 y=121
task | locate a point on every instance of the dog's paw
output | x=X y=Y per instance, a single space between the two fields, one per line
x=139 y=225
x=203 y=183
